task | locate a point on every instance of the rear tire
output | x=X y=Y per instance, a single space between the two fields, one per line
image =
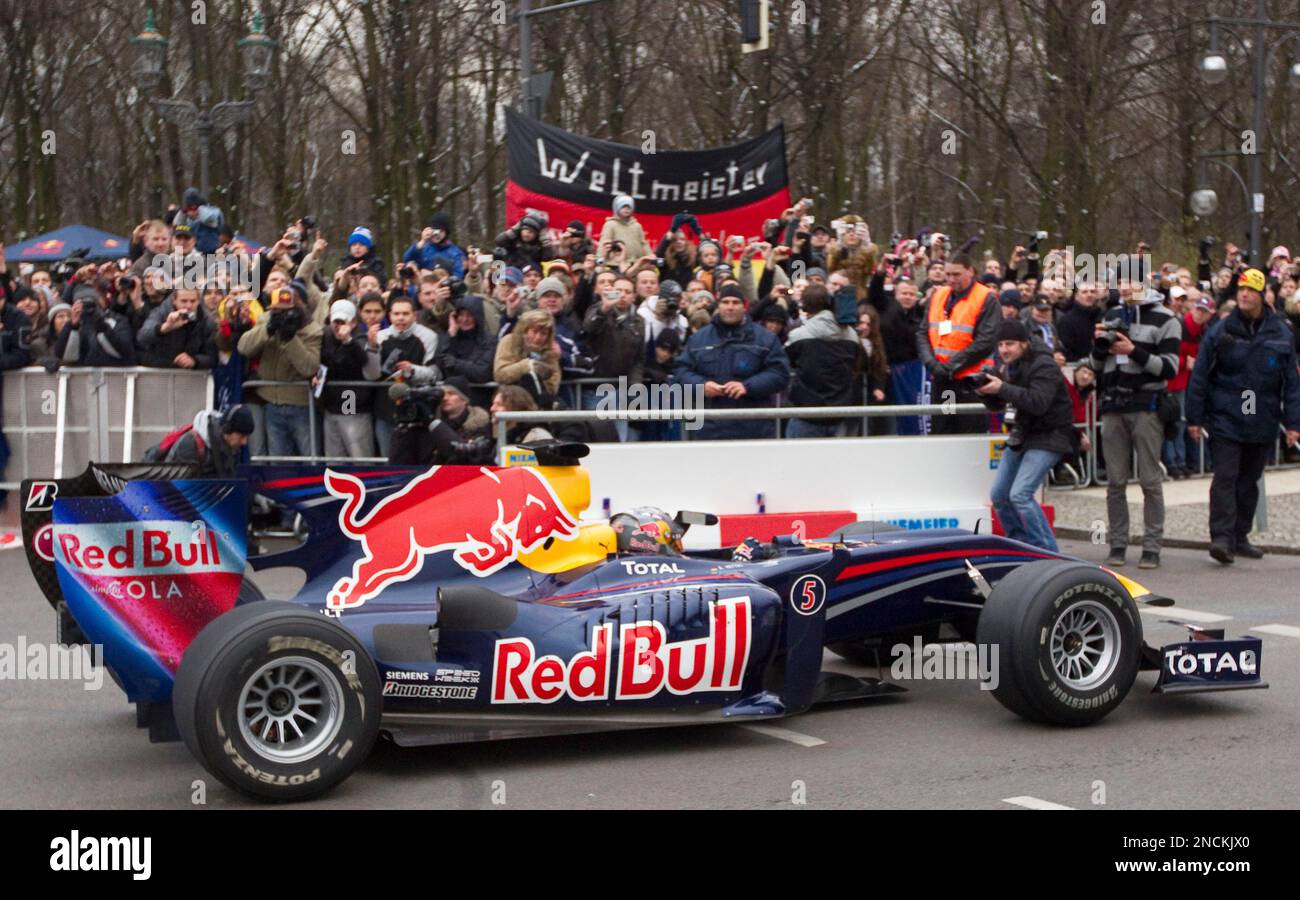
x=1069 y=641
x=277 y=702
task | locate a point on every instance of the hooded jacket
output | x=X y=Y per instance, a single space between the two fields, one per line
x=1239 y=356
x=514 y=361
x=469 y=353
x=1134 y=384
x=197 y=338
x=204 y=446
x=828 y=361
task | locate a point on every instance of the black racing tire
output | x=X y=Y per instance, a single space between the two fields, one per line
x=239 y=661
x=1069 y=641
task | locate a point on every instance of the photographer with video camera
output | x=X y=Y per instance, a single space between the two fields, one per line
x=286 y=343
x=1035 y=401
x=405 y=350
x=1135 y=353
x=462 y=432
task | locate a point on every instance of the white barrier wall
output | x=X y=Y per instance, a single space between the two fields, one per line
x=914 y=482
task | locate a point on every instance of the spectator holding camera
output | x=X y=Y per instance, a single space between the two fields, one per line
x=521 y=244
x=1243 y=387
x=1135 y=353
x=178 y=334
x=348 y=427
x=1039 y=415
x=616 y=334
x=623 y=228
x=286 y=344
x=435 y=243
x=404 y=350
x=98 y=334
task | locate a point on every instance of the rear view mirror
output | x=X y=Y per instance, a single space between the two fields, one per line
x=686 y=518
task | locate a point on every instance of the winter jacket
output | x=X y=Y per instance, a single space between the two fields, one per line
x=515 y=251
x=1134 y=384
x=898 y=326
x=279 y=360
x=204 y=447
x=426 y=256
x=1189 y=345
x=745 y=352
x=469 y=353
x=347 y=361
x=630 y=233
x=14 y=325
x=197 y=338
x=370 y=264
x=828 y=360
x=514 y=361
x=1044 y=412
x=617 y=340
x=1075 y=326
x=1241 y=361
x=105 y=341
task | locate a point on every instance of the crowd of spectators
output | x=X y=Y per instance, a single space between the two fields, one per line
x=804 y=313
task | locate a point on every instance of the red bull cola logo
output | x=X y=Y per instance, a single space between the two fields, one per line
x=485 y=517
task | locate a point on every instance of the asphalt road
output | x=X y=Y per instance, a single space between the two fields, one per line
x=943 y=745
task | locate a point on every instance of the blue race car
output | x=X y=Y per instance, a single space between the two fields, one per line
x=466 y=603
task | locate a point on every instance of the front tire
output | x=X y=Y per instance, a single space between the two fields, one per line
x=277 y=702
x=1069 y=641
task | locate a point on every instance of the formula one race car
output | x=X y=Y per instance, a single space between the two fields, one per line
x=471 y=603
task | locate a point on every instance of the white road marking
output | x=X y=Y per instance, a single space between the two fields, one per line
x=1182 y=612
x=1284 y=630
x=785 y=734
x=1034 y=803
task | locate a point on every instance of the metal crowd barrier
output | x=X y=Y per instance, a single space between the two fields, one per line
x=56 y=423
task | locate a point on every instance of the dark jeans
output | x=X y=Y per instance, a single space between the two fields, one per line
x=945 y=390
x=1234 y=492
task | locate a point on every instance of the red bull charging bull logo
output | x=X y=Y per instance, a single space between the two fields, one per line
x=485 y=517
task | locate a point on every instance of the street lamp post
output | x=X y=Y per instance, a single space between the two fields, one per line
x=1214 y=70
x=257 y=50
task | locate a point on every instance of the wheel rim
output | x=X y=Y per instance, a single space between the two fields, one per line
x=290 y=709
x=1085 y=644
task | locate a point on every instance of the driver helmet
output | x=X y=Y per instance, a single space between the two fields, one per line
x=648 y=529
